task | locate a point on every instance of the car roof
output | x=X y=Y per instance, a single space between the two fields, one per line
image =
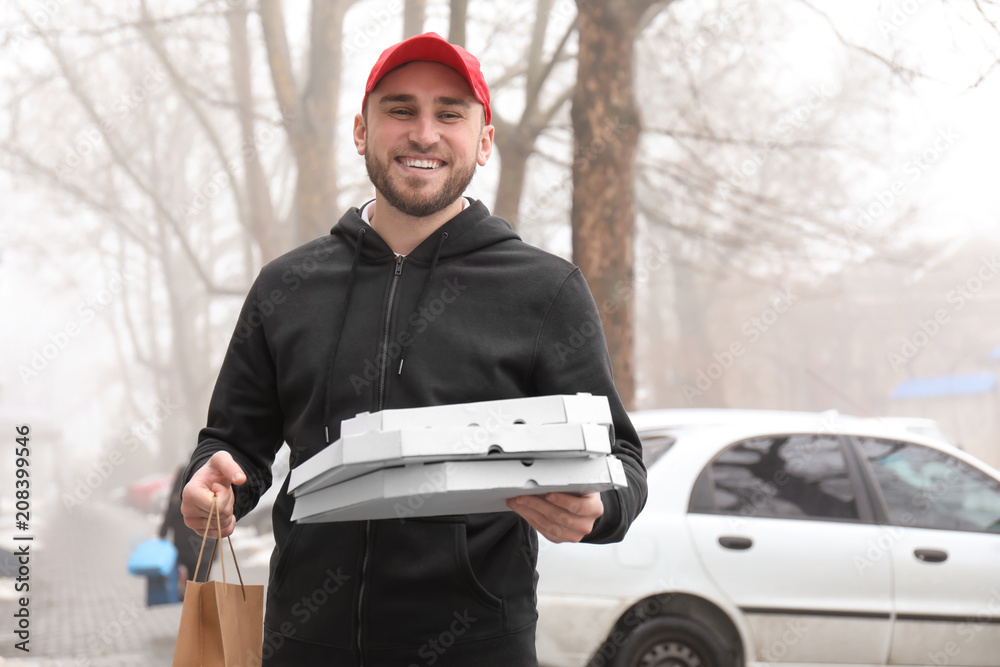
x=711 y=430
x=644 y=420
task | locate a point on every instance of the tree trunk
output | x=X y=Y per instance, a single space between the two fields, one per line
x=310 y=120
x=456 y=22
x=262 y=221
x=514 y=154
x=606 y=134
x=414 y=15
x=515 y=141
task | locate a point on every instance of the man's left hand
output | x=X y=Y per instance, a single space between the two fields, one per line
x=560 y=517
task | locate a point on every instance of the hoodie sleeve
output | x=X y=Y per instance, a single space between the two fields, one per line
x=571 y=356
x=244 y=415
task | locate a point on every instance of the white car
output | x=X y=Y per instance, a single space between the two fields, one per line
x=785 y=538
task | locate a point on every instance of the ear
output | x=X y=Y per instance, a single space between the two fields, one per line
x=485 y=145
x=360 y=132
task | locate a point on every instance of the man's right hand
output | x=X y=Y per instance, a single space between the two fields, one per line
x=214 y=478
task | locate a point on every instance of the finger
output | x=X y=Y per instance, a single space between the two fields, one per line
x=198 y=521
x=570 y=503
x=224 y=496
x=552 y=531
x=555 y=514
x=588 y=505
x=203 y=525
x=227 y=468
x=196 y=499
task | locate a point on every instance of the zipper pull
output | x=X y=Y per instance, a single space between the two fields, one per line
x=399 y=264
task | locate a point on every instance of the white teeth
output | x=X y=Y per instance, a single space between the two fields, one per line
x=422 y=164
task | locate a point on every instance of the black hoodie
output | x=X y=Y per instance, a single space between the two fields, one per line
x=341 y=326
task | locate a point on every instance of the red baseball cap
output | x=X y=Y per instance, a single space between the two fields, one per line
x=434 y=48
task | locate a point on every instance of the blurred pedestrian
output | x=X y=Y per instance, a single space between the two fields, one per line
x=185 y=540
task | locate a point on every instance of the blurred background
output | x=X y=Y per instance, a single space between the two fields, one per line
x=782 y=204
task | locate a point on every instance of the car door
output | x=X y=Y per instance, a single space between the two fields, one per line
x=945 y=515
x=778 y=525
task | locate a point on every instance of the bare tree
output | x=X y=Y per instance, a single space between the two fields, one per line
x=457 y=20
x=414 y=15
x=606 y=135
x=311 y=111
x=515 y=140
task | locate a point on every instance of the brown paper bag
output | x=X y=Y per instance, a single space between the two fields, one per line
x=221 y=624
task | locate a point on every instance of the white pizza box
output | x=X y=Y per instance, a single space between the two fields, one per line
x=558 y=409
x=356 y=455
x=454 y=487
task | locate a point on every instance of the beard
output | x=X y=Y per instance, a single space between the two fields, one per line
x=421 y=200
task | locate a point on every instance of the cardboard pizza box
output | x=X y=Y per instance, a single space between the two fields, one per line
x=454 y=487
x=355 y=455
x=536 y=410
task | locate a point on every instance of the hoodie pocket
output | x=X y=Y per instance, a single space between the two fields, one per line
x=422 y=587
x=310 y=595
x=284 y=558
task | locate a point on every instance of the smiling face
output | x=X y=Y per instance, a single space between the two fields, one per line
x=422 y=135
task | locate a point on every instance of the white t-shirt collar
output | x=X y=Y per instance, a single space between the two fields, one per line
x=366 y=214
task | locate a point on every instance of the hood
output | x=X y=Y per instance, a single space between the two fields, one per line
x=472 y=229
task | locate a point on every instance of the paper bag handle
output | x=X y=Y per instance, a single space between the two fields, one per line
x=214 y=510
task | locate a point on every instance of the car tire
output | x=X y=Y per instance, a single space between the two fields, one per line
x=672 y=642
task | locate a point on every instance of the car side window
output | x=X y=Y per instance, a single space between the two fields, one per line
x=782 y=476
x=927 y=488
x=655 y=445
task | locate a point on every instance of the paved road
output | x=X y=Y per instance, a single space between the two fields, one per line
x=86 y=610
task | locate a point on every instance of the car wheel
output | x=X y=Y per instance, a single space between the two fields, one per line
x=672 y=642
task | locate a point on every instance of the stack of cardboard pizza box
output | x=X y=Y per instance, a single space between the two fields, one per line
x=458 y=459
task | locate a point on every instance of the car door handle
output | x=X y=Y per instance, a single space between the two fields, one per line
x=931 y=555
x=739 y=543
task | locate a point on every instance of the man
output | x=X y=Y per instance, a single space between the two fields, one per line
x=418 y=298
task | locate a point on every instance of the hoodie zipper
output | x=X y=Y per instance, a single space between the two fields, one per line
x=385 y=336
x=380 y=405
